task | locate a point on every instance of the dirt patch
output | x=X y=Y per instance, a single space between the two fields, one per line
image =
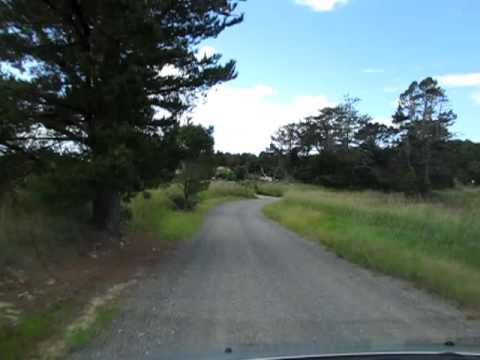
x=70 y=283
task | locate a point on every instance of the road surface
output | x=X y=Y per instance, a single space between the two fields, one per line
x=247 y=283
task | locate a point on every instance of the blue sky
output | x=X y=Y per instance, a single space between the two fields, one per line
x=296 y=56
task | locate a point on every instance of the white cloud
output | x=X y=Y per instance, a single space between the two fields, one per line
x=460 y=80
x=476 y=97
x=322 y=5
x=245 y=118
x=383 y=120
x=373 y=71
x=205 y=51
x=170 y=70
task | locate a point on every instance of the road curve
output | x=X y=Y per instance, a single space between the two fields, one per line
x=247 y=283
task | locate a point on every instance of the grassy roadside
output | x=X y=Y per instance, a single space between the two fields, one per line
x=433 y=244
x=82 y=336
x=158 y=217
x=278 y=189
x=16 y=342
x=154 y=223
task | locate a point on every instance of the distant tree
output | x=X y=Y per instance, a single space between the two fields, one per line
x=286 y=139
x=241 y=172
x=103 y=84
x=373 y=136
x=332 y=128
x=319 y=130
x=348 y=122
x=196 y=168
x=286 y=144
x=423 y=119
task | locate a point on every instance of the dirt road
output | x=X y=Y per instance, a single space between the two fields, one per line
x=245 y=282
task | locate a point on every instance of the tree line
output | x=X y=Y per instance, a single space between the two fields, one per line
x=340 y=147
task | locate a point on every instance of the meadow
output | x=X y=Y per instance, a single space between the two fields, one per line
x=435 y=243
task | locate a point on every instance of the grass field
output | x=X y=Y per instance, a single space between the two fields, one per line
x=435 y=244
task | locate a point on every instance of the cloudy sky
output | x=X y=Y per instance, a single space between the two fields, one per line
x=296 y=56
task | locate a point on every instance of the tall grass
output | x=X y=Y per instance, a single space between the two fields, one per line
x=436 y=244
x=30 y=231
x=157 y=216
x=278 y=189
x=229 y=189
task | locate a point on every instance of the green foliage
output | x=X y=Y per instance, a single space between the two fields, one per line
x=88 y=102
x=224 y=173
x=176 y=197
x=423 y=120
x=196 y=168
x=342 y=148
x=434 y=244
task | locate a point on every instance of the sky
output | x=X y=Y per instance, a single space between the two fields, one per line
x=296 y=56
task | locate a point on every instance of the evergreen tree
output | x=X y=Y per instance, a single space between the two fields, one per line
x=423 y=119
x=98 y=87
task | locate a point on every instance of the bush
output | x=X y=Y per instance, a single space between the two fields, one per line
x=224 y=173
x=177 y=198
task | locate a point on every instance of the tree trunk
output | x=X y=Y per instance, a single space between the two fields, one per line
x=106 y=211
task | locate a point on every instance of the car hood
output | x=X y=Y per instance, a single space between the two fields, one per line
x=257 y=352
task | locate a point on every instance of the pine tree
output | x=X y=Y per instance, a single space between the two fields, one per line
x=423 y=119
x=98 y=87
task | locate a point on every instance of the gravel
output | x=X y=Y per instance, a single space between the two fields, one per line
x=247 y=283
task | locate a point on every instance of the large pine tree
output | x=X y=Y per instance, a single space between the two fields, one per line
x=423 y=118
x=95 y=88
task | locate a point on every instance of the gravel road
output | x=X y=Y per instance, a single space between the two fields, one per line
x=247 y=283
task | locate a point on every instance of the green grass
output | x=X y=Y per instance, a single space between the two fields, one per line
x=278 y=189
x=218 y=189
x=272 y=189
x=158 y=217
x=435 y=244
x=82 y=336
x=19 y=341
